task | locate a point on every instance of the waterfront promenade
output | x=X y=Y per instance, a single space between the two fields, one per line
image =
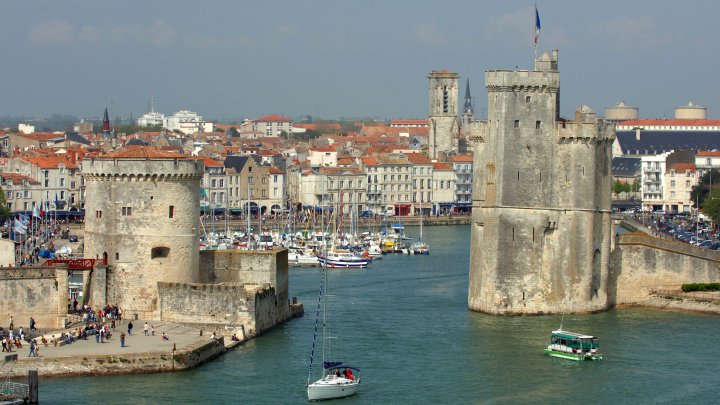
x=185 y=348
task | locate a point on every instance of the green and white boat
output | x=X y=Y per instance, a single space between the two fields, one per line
x=573 y=346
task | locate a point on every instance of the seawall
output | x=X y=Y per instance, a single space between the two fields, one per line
x=193 y=355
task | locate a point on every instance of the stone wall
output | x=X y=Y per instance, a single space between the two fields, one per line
x=640 y=263
x=248 y=267
x=256 y=307
x=40 y=292
x=204 y=303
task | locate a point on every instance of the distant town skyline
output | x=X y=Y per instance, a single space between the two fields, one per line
x=331 y=59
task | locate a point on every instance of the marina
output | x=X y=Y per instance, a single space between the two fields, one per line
x=410 y=312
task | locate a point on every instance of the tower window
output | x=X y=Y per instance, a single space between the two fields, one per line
x=446 y=97
x=159 y=252
x=171 y=211
x=516 y=124
x=98 y=214
x=537 y=124
x=126 y=211
x=527 y=99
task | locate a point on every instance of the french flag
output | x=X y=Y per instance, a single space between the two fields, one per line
x=537 y=25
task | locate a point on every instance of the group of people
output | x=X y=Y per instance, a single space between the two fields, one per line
x=347 y=373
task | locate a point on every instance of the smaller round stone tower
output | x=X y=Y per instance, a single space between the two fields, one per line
x=142 y=215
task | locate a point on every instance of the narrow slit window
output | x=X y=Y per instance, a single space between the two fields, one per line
x=516 y=124
x=171 y=211
x=537 y=124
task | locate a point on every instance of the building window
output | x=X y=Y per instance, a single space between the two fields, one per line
x=672 y=183
x=159 y=252
x=171 y=211
x=126 y=211
x=516 y=124
x=98 y=214
x=537 y=124
x=527 y=99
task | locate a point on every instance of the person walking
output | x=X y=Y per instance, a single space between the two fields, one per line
x=122 y=339
x=32 y=349
x=130 y=326
x=146 y=329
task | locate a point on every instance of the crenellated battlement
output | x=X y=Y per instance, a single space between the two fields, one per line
x=139 y=168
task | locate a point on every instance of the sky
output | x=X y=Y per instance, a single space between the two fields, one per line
x=230 y=59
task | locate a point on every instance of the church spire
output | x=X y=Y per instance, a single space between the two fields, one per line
x=468 y=108
x=106 y=124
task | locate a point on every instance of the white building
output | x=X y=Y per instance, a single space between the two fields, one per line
x=651 y=178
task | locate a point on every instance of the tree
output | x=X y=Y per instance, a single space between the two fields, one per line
x=711 y=206
x=233 y=132
x=620 y=186
x=4 y=210
x=709 y=180
x=284 y=135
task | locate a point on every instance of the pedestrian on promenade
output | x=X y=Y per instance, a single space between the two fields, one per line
x=32 y=349
x=12 y=325
x=122 y=339
x=130 y=326
x=97 y=336
x=146 y=329
x=164 y=337
x=152 y=330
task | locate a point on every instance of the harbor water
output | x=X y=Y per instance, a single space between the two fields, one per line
x=404 y=322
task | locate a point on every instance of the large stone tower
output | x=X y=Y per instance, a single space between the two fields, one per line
x=142 y=215
x=541 y=200
x=443 y=95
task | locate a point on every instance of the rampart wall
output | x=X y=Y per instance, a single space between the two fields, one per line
x=641 y=263
x=40 y=292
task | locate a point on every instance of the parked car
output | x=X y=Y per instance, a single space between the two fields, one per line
x=73 y=238
x=366 y=214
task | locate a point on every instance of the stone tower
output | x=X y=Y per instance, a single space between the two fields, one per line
x=540 y=240
x=143 y=216
x=443 y=95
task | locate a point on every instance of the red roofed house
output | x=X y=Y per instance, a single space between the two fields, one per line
x=273 y=125
x=678 y=182
x=59 y=178
x=325 y=156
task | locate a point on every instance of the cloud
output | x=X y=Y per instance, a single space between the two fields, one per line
x=51 y=32
x=633 y=33
x=428 y=34
x=518 y=25
x=60 y=32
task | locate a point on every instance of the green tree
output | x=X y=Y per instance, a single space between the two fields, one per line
x=284 y=135
x=4 y=210
x=233 y=132
x=711 y=206
x=709 y=184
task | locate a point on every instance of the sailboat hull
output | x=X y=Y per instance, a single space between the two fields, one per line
x=331 y=388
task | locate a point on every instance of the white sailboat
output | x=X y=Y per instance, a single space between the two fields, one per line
x=338 y=380
x=420 y=247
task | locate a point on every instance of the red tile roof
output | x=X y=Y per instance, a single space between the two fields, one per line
x=135 y=152
x=273 y=118
x=209 y=162
x=708 y=153
x=50 y=162
x=682 y=167
x=409 y=122
x=275 y=170
x=418 y=158
x=672 y=123
x=369 y=160
x=17 y=178
x=462 y=158
x=442 y=166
